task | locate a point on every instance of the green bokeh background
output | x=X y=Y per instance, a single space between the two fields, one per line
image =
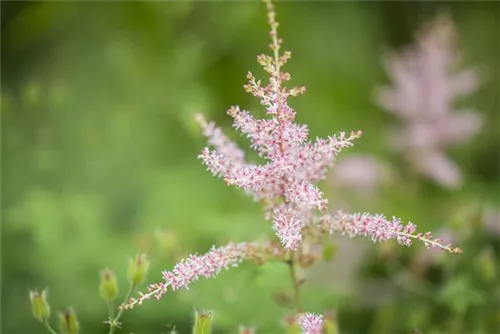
x=99 y=146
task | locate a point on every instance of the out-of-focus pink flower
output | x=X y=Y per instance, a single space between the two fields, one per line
x=425 y=87
x=359 y=172
x=439 y=167
x=311 y=323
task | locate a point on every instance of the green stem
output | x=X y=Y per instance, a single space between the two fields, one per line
x=113 y=323
x=295 y=284
x=111 y=309
x=49 y=328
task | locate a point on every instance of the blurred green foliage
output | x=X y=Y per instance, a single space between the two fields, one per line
x=99 y=152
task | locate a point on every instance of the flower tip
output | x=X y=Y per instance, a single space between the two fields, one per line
x=199 y=118
x=358 y=133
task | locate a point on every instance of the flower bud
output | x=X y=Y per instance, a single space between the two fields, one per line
x=108 y=288
x=203 y=322
x=39 y=305
x=68 y=322
x=138 y=269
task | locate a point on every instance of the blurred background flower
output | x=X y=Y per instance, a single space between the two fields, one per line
x=426 y=87
x=361 y=173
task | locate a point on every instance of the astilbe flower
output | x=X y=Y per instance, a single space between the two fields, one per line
x=426 y=86
x=293 y=164
x=285 y=184
x=378 y=228
x=208 y=265
x=311 y=323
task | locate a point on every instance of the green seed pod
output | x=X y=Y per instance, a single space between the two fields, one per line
x=108 y=288
x=68 y=323
x=39 y=305
x=203 y=322
x=138 y=269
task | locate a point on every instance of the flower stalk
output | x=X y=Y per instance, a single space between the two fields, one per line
x=295 y=285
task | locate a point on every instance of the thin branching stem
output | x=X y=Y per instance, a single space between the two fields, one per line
x=111 y=309
x=113 y=323
x=295 y=284
x=49 y=328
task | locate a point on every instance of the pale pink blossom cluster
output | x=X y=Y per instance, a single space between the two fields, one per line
x=378 y=228
x=426 y=87
x=311 y=323
x=293 y=164
x=208 y=265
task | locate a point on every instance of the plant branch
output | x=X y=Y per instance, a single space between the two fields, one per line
x=113 y=323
